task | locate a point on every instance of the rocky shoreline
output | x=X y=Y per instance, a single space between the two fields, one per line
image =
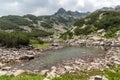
x=12 y=55
x=112 y=58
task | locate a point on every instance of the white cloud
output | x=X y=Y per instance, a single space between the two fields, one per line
x=45 y=7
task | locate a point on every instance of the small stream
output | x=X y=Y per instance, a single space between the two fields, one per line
x=50 y=58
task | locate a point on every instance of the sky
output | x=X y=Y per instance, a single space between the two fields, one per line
x=48 y=7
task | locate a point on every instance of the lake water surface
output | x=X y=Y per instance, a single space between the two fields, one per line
x=50 y=58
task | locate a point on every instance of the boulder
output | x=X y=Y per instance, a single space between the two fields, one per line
x=6 y=68
x=98 y=77
x=27 y=57
x=43 y=72
x=68 y=68
x=55 y=44
x=3 y=73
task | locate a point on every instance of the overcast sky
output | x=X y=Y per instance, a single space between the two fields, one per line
x=47 y=7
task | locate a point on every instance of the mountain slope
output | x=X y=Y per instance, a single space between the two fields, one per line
x=107 y=22
x=57 y=23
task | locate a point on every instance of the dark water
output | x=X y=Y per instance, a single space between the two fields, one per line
x=53 y=57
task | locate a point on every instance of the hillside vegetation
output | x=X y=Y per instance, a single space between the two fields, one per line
x=107 y=20
x=18 y=39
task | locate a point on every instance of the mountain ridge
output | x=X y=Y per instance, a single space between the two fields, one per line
x=74 y=14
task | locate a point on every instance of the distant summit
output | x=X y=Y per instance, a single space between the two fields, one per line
x=76 y=14
x=116 y=8
x=105 y=9
x=61 y=11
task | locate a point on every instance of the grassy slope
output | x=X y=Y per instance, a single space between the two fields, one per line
x=107 y=20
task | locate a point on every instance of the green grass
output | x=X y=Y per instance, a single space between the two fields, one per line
x=113 y=73
x=24 y=76
x=36 y=44
x=40 y=45
x=72 y=76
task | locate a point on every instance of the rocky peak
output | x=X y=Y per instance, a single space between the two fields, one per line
x=61 y=11
x=75 y=14
x=117 y=8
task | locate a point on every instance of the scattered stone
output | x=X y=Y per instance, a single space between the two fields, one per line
x=2 y=65
x=46 y=79
x=68 y=68
x=6 y=68
x=18 y=72
x=3 y=73
x=44 y=72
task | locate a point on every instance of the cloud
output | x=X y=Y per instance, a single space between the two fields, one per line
x=46 y=7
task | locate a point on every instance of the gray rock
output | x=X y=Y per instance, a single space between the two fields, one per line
x=44 y=72
x=3 y=73
x=18 y=72
x=98 y=77
x=27 y=57
x=6 y=68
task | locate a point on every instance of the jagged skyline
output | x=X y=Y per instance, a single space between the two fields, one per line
x=47 y=7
